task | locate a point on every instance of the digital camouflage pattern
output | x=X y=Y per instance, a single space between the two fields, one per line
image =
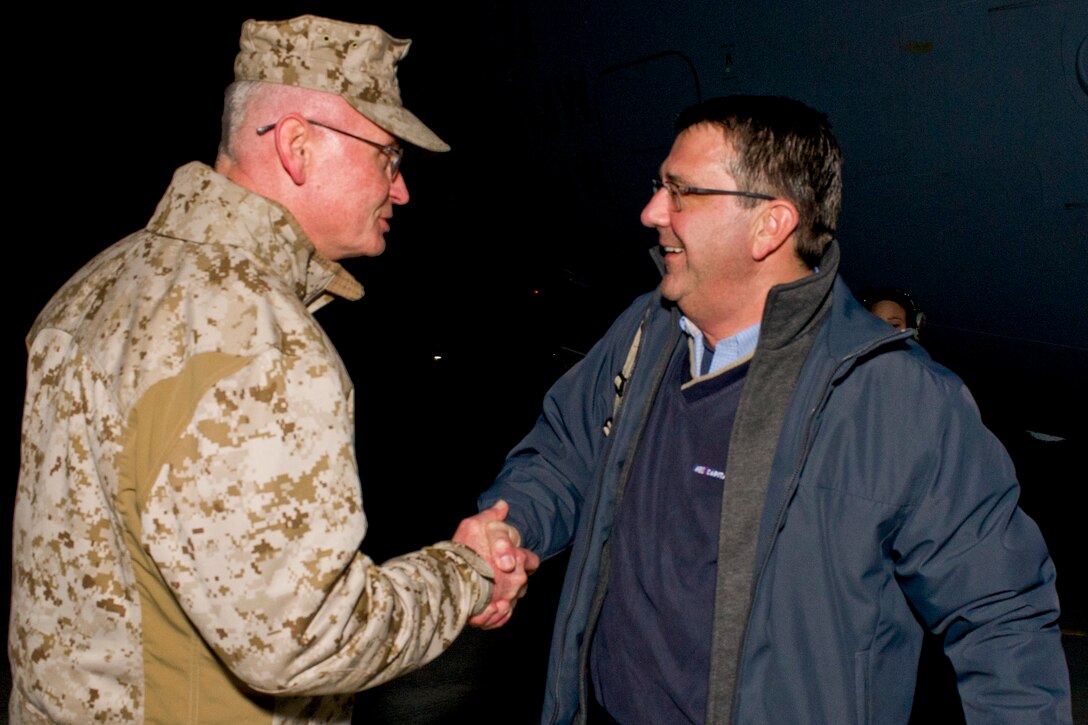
x=188 y=516
x=358 y=62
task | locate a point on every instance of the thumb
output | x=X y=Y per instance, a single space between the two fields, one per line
x=497 y=512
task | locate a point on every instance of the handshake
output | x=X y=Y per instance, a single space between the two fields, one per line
x=499 y=544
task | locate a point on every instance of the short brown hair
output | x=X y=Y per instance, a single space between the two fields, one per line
x=786 y=149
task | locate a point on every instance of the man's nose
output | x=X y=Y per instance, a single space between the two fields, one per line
x=656 y=211
x=398 y=191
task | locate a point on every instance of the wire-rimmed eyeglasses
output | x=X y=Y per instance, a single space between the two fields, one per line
x=392 y=151
x=678 y=191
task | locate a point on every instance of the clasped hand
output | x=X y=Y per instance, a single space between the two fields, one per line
x=499 y=544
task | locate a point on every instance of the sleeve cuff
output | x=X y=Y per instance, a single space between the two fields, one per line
x=485 y=575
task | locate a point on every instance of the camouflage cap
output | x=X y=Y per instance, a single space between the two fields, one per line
x=357 y=62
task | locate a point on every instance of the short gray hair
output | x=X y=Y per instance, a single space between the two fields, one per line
x=236 y=100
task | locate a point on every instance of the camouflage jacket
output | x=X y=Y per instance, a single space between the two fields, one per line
x=188 y=516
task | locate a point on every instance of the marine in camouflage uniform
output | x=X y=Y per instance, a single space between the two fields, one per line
x=188 y=517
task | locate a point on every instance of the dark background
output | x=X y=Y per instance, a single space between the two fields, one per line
x=965 y=132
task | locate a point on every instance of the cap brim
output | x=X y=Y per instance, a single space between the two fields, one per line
x=402 y=123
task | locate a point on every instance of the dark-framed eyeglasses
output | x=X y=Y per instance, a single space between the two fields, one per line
x=678 y=191
x=392 y=151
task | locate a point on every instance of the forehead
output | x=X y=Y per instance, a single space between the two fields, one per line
x=889 y=308
x=701 y=150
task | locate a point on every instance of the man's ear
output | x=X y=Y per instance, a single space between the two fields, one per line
x=775 y=224
x=292 y=139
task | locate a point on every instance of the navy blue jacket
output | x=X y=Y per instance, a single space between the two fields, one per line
x=889 y=508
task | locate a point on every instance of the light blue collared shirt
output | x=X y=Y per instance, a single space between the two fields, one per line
x=726 y=352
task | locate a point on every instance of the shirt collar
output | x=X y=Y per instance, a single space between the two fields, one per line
x=728 y=350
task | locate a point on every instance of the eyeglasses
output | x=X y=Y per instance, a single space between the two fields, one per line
x=393 y=152
x=677 y=192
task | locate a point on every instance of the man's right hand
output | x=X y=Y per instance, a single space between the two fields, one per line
x=499 y=544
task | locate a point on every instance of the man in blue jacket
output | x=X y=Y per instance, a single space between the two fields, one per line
x=769 y=493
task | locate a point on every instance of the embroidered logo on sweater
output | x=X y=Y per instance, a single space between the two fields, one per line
x=709 y=472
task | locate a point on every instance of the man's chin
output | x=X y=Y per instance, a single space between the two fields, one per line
x=372 y=247
x=376 y=249
x=670 y=288
x=341 y=252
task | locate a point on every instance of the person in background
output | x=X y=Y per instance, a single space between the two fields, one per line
x=895 y=307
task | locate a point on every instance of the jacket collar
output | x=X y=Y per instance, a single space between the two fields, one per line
x=205 y=207
x=793 y=309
